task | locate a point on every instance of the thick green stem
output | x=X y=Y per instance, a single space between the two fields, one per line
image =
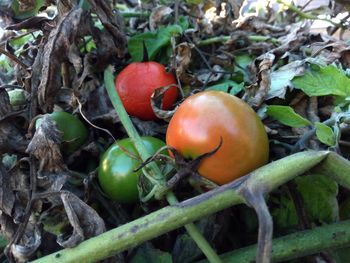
x=298 y=244
x=336 y=167
x=254 y=38
x=154 y=169
x=135 y=14
x=201 y=242
x=169 y=218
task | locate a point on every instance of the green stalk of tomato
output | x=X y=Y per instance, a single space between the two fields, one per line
x=152 y=169
x=268 y=177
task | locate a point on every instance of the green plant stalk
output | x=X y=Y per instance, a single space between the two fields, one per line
x=200 y=240
x=154 y=169
x=336 y=167
x=305 y=15
x=220 y=39
x=129 y=14
x=297 y=245
x=169 y=218
x=128 y=126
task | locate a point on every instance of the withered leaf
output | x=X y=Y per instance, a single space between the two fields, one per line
x=257 y=93
x=45 y=146
x=29 y=243
x=157 y=103
x=54 y=53
x=158 y=15
x=7 y=196
x=207 y=76
x=183 y=56
x=5 y=106
x=11 y=138
x=256 y=24
x=85 y=221
x=112 y=23
x=37 y=22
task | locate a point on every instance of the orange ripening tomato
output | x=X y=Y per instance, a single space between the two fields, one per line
x=203 y=118
x=136 y=83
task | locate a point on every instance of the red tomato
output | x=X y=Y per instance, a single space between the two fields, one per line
x=203 y=118
x=136 y=83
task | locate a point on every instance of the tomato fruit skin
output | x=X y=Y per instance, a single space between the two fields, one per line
x=74 y=132
x=136 y=83
x=116 y=170
x=203 y=118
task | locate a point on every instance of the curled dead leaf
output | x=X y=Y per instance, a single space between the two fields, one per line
x=157 y=104
x=158 y=16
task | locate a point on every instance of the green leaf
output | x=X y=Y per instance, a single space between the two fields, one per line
x=146 y=253
x=319 y=195
x=9 y=160
x=184 y=22
x=5 y=64
x=18 y=42
x=3 y=242
x=325 y=134
x=281 y=78
x=242 y=61
x=284 y=212
x=154 y=42
x=322 y=81
x=228 y=86
x=287 y=116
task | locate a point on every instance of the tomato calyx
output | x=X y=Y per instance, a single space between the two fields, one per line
x=188 y=167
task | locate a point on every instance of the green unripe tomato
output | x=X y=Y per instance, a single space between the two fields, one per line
x=74 y=131
x=116 y=170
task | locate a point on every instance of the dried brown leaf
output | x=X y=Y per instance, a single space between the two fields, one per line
x=157 y=104
x=256 y=24
x=54 y=53
x=85 y=221
x=45 y=147
x=183 y=55
x=37 y=22
x=158 y=16
x=206 y=76
x=256 y=93
x=7 y=195
x=112 y=23
x=5 y=106
x=11 y=138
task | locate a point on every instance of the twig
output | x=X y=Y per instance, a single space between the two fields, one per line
x=14 y=58
x=342 y=21
x=176 y=8
x=300 y=144
x=199 y=53
x=303 y=220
